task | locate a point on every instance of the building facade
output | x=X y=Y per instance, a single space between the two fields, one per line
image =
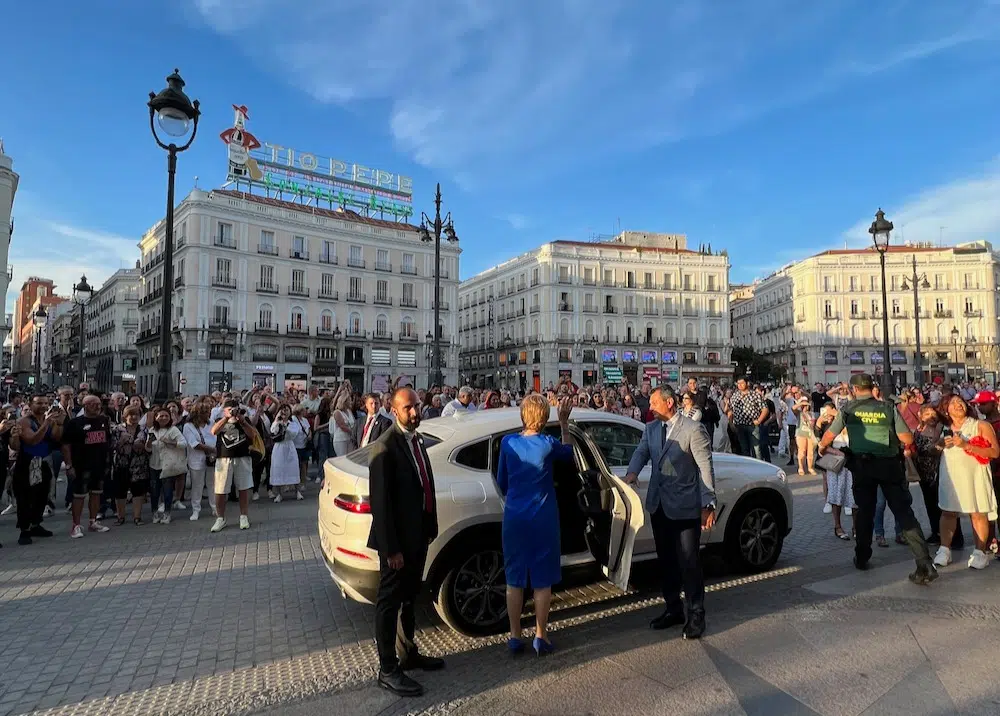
x=741 y=316
x=63 y=331
x=634 y=306
x=112 y=326
x=8 y=190
x=27 y=344
x=821 y=318
x=270 y=292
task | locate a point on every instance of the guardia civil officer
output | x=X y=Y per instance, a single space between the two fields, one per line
x=877 y=436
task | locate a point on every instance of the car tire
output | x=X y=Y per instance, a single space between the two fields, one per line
x=472 y=596
x=755 y=534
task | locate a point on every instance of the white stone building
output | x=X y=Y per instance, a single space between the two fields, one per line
x=8 y=189
x=821 y=318
x=632 y=306
x=272 y=292
x=741 y=316
x=112 y=322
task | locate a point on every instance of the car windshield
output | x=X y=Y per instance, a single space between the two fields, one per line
x=362 y=456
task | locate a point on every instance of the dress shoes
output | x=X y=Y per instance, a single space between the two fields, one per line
x=417 y=661
x=399 y=683
x=694 y=628
x=666 y=620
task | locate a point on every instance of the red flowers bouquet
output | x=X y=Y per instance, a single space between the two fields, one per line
x=980 y=442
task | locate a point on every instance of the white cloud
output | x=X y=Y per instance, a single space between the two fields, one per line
x=478 y=87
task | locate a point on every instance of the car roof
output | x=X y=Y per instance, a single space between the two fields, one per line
x=481 y=423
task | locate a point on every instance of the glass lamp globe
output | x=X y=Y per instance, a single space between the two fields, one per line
x=173 y=121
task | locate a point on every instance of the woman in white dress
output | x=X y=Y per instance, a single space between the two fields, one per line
x=965 y=485
x=840 y=485
x=342 y=425
x=284 y=458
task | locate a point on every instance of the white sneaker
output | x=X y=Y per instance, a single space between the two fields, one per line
x=161 y=507
x=299 y=495
x=47 y=512
x=848 y=511
x=157 y=518
x=943 y=557
x=256 y=496
x=978 y=560
x=76 y=532
x=69 y=509
x=195 y=514
x=277 y=498
x=165 y=519
x=220 y=524
x=178 y=505
x=244 y=522
x=827 y=508
x=9 y=508
x=96 y=526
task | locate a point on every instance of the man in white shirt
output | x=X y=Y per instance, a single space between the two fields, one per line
x=462 y=404
x=311 y=404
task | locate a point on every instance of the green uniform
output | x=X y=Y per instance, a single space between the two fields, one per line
x=872 y=427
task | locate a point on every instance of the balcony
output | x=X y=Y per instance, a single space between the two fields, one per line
x=130 y=322
x=589 y=309
x=329 y=259
x=383 y=266
x=356 y=333
x=690 y=341
x=670 y=312
x=383 y=300
x=296 y=354
x=408 y=337
x=221 y=352
x=650 y=311
x=405 y=302
x=534 y=281
x=300 y=254
x=267 y=249
x=566 y=307
x=300 y=291
x=355 y=262
x=224 y=282
x=566 y=280
x=974 y=313
x=536 y=308
x=718 y=314
x=265 y=328
x=691 y=312
x=178 y=282
x=224 y=242
x=154 y=295
x=299 y=329
x=441 y=305
x=328 y=294
x=382 y=335
x=944 y=314
x=408 y=271
x=444 y=273
x=217 y=323
x=610 y=309
x=630 y=311
x=268 y=288
x=357 y=298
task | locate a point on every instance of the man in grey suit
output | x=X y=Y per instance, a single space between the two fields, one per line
x=680 y=500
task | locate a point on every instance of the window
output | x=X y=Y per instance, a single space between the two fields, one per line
x=222 y=269
x=711 y=283
x=382 y=260
x=381 y=325
x=872 y=284
x=408 y=265
x=355 y=324
x=266 y=276
x=406 y=328
x=382 y=290
x=355 y=286
x=668 y=282
x=687 y=282
x=895 y=307
x=329 y=255
x=647 y=281
x=854 y=307
x=220 y=314
x=326 y=322
x=298 y=280
x=266 y=240
x=475 y=456
x=408 y=295
x=326 y=284
x=939 y=305
x=969 y=308
x=298 y=247
x=630 y=279
x=854 y=283
x=225 y=235
x=616 y=442
x=297 y=318
x=534 y=275
x=356 y=259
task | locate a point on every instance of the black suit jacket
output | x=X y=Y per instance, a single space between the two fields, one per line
x=380 y=425
x=400 y=524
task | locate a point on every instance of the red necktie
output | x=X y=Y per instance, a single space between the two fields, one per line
x=368 y=427
x=424 y=479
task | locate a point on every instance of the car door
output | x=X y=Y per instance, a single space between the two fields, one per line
x=613 y=550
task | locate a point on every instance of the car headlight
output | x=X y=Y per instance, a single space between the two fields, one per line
x=781 y=476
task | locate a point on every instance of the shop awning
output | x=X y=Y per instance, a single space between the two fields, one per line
x=651 y=371
x=612 y=374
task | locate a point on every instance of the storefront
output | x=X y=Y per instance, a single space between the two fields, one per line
x=296 y=378
x=264 y=376
x=354 y=367
x=589 y=378
x=381 y=382
x=326 y=375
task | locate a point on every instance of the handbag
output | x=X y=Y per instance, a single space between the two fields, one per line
x=831 y=461
x=209 y=459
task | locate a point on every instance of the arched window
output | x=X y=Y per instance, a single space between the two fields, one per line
x=406 y=329
x=608 y=334
x=354 y=325
x=855 y=332
x=534 y=329
x=941 y=334
x=897 y=334
x=970 y=331
x=713 y=332
x=520 y=330
x=669 y=332
x=589 y=330
x=265 y=316
x=629 y=332
x=298 y=318
x=130 y=338
x=564 y=328
x=326 y=321
x=381 y=325
x=220 y=313
x=688 y=331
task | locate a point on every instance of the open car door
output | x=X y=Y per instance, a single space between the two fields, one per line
x=614 y=516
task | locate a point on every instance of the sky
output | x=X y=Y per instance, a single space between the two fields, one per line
x=773 y=128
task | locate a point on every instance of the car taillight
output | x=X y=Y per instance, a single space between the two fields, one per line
x=358 y=504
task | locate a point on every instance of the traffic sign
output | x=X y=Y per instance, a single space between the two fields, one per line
x=183 y=381
x=9 y=379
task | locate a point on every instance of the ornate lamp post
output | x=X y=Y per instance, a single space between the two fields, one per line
x=954 y=340
x=82 y=293
x=880 y=230
x=919 y=281
x=39 y=318
x=176 y=115
x=437 y=225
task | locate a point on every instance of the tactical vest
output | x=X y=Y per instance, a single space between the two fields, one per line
x=871 y=427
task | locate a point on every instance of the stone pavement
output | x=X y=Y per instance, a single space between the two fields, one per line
x=173 y=619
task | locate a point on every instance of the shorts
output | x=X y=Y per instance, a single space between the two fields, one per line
x=87 y=482
x=303 y=454
x=124 y=484
x=233 y=471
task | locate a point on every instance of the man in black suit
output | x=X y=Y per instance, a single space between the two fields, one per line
x=404 y=522
x=368 y=430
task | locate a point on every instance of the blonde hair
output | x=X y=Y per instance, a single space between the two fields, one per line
x=535 y=412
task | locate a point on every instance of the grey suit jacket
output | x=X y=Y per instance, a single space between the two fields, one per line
x=682 y=480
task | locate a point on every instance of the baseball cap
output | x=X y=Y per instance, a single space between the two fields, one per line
x=863 y=381
x=984 y=396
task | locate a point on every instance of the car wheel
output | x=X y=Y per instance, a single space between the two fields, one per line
x=472 y=598
x=754 y=535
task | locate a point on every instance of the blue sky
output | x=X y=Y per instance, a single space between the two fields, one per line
x=773 y=128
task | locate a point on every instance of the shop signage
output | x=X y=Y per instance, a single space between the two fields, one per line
x=609 y=355
x=857 y=357
x=263 y=368
x=649 y=356
x=876 y=357
x=898 y=357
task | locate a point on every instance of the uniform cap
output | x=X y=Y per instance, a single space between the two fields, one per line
x=862 y=381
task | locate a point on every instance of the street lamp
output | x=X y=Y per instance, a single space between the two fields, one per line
x=82 y=293
x=39 y=319
x=954 y=340
x=225 y=379
x=880 y=230
x=429 y=338
x=437 y=225
x=919 y=282
x=175 y=114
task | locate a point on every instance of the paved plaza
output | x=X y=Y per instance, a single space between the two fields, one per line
x=175 y=620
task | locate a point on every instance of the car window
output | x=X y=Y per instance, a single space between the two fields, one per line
x=616 y=441
x=475 y=456
x=363 y=456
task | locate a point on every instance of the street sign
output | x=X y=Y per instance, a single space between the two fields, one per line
x=31 y=380
x=9 y=379
x=183 y=381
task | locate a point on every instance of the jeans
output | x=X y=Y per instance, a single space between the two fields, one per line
x=160 y=486
x=880 y=504
x=57 y=463
x=678 y=551
x=870 y=474
x=765 y=442
x=749 y=438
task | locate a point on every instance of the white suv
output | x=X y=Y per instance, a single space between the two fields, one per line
x=601 y=519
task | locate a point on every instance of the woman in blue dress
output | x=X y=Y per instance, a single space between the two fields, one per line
x=531 y=516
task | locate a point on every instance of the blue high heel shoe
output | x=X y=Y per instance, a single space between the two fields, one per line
x=515 y=646
x=542 y=647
